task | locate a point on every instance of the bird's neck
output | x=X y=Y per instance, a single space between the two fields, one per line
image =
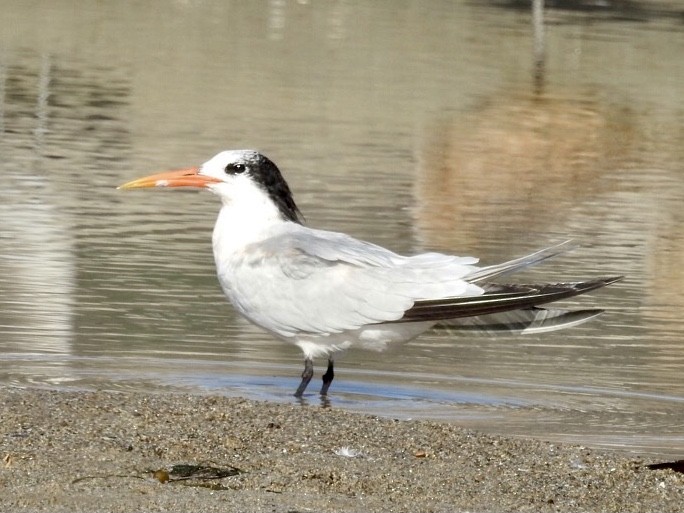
x=241 y=223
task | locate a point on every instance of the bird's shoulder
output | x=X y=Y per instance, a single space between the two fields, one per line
x=321 y=248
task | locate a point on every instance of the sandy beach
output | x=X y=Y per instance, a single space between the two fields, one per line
x=120 y=451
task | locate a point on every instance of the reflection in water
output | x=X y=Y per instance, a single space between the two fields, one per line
x=392 y=124
x=605 y=10
x=36 y=246
x=526 y=159
x=539 y=45
x=49 y=116
x=36 y=260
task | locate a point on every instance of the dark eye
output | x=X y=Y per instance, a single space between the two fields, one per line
x=235 y=168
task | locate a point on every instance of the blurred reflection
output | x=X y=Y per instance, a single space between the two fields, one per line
x=526 y=159
x=37 y=268
x=539 y=44
x=280 y=11
x=60 y=135
x=605 y=10
x=664 y=300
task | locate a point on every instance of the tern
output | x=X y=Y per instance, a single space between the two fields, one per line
x=327 y=292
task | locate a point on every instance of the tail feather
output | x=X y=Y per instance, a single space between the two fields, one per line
x=525 y=321
x=510 y=308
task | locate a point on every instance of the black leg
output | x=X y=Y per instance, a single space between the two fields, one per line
x=306 y=377
x=327 y=378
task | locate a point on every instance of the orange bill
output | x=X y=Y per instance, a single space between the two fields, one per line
x=181 y=178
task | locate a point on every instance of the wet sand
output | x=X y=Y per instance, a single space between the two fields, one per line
x=111 y=451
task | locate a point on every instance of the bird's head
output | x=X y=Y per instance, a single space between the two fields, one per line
x=234 y=175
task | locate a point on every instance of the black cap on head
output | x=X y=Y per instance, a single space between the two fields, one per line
x=266 y=174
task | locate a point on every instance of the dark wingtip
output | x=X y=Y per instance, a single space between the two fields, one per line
x=598 y=283
x=611 y=279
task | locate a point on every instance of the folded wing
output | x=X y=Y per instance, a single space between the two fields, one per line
x=319 y=282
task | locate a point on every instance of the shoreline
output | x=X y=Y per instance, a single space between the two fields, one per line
x=125 y=451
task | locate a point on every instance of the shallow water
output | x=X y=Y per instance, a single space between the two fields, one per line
x=449 y=126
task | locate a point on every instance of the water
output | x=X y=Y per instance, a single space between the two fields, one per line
x=450 y=126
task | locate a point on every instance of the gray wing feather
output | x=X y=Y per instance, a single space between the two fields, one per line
x=492 y=271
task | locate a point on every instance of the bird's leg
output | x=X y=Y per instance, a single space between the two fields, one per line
x=328 y=377
x=306 y=377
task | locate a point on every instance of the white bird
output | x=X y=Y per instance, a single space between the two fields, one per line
x=326 y=292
